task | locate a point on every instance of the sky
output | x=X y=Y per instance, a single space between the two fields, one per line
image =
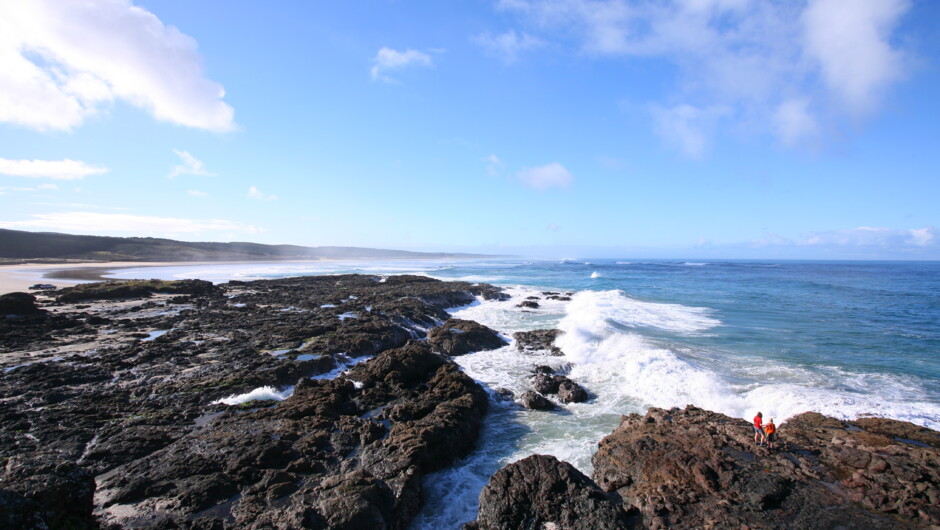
x=557 y=128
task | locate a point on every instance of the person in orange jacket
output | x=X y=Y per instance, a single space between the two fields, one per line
x=758 y=429
x=769 y=430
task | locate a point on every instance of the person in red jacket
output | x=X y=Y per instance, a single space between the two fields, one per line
x=769 y=430
x=758 y=429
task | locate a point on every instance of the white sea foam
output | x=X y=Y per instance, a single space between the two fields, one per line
x=264 y=393
x=599 y=314
x=595 y=274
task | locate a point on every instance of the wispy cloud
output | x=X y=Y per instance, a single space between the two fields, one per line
x=552 y=175
x=66 y=169
x=96 y=222
x=507 y=46
x=190 y=166
x=493 y=165
x=196 y=193
x=61 y=61
x=255 y=193
x=787 y=69
x=388 y=60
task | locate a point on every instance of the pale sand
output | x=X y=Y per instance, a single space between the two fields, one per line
x=18 y=278
x=15 y=278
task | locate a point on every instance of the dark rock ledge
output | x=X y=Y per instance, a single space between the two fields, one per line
x=692 y=468
x=107 y=415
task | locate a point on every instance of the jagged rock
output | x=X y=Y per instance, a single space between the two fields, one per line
x=547 y=384
x=535 y=401
x=135 y=289
x=529 y=304
x=694 y=468
x=571 y=392
x=18 y=304
x=542 y=492
x=539 y=340
x=459 y=337
x=45 y=491
x=91 y=384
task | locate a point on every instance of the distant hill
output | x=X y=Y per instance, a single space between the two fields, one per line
x=21 y=245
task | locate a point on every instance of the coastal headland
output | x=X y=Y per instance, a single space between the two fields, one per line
x=325 y=402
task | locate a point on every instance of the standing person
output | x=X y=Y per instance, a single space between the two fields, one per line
x=770 y=429
x=758 y=429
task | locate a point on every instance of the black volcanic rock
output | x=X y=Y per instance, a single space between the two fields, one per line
x=459 y=337
x=539 y=340
x=528 y=304
x=693 y=468
x=126 y=390
x=535 y=401
x=18 y=304
x=542 y=492
x=571 y=392
x=45 y=491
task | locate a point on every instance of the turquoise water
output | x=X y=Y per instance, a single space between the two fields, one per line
x=843 y=338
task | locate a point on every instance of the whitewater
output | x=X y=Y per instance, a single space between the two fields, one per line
x=846 y=339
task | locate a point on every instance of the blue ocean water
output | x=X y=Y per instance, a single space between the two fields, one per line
x=847 y=339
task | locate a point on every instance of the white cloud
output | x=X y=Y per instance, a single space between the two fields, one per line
x=196 y=193
x=94 y=222
x=553 y=227
x=782 y=68
x=851 y=43
x=552 y=175
x=60 y=61
x=190 y=166
x=255 y=193
x=686 y=127
x=389 y=60
x=794 y=122
x=493 y=165
x=507 y=46
x=874 y=237
x=66 y=169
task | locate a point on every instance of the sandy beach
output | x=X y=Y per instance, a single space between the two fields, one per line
x=18 y=278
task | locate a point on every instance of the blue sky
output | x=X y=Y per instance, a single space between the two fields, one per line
x=562 y=128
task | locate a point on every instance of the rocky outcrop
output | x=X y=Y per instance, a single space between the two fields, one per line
x=535 y=401
x=530 y=304
x=542 y=492
x=45 y=491
x=693 y=468
x=18 y=304
x=127 y=390
x=546 y=381
x=135 y=289
x=538 y=341
x=459 y=337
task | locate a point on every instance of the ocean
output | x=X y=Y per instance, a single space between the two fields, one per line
x=846 y=339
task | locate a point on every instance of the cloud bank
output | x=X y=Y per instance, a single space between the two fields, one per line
x=94 y=223
x=790 y=69
x=61 y=61
x=66 y=169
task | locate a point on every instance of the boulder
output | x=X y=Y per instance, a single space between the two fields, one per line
x=571 y=392
x=531 y=304
x=19 y=304
x=535 y=401
x=540 y=491
x=538 y=341
x=694 y=468
x=459 y=337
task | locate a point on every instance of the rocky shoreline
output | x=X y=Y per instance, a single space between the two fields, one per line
x=322 y=402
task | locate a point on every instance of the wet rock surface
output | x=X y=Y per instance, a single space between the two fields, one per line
x=693 y=468
x=542 y=492
x=547 y=381
x=460 y=337
x=538 y=341
x=125 y=390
